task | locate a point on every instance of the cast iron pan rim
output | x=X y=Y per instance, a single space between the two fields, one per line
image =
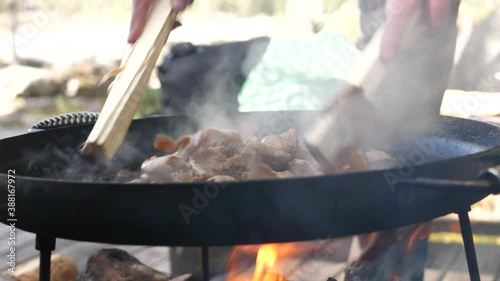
x=121 y=185
x=169 y=184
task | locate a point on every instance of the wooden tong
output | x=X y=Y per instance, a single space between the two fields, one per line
x=126 y=91
x=381 y=101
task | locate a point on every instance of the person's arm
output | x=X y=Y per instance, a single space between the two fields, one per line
x=140 y=12
x=399 y=13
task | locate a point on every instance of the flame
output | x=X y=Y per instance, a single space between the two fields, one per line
x=422 y=232
x=267 y=258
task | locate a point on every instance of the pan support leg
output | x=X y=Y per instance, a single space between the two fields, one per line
x=470 y=251
x=45 y=245
x=204 y=263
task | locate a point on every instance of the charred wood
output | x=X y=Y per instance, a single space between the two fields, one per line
x=115 y=264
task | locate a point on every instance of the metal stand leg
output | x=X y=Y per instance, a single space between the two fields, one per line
x=204 y=263
x=470 y=252
x=45 y=245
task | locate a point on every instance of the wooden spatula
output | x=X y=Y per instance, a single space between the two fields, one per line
x=126 y=91
x=382 y=100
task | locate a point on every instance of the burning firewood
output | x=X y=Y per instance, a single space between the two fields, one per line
x=384 y=257
x=115 y=264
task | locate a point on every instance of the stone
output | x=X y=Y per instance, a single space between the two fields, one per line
x=25 y=81
x=84 y=77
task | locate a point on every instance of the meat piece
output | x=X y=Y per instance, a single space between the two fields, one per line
x=156 y=169
x=221 y=155
x=244 y=155
x=302 y=168
x=199 y=179
x=276 y=159
x=163 y=169
x=259 y=170
x=166 y=144
x=222 y=178
x=172 y=161
x=185 y=152
x=287 y=142
x=210 y=138
x=186 y=176
x=234 y=171
x=208 y=162
x=183 y=141
x=231 y=149
x=213 y=137
x=238 y=164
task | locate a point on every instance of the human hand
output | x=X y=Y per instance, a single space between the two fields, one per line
x=140 y=13
x=399 y=15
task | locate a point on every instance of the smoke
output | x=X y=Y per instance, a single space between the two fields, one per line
x=203 y=82
x=409 y=93
x=58 y=156
x=55 y=153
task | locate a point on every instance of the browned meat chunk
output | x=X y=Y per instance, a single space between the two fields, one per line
x=276 y=159
x=228 y=139
x=221 y=178
x=165 y=168
x=165 y=143
x=228 y=155
x=287 y=142
x=214 y=137
x=259 y=170
x=208 y=162
x=199 y=179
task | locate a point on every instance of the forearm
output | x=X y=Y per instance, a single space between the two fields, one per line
x=140 y=13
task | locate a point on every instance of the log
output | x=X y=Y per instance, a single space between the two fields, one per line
x=63 y=268
x=116 y=264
